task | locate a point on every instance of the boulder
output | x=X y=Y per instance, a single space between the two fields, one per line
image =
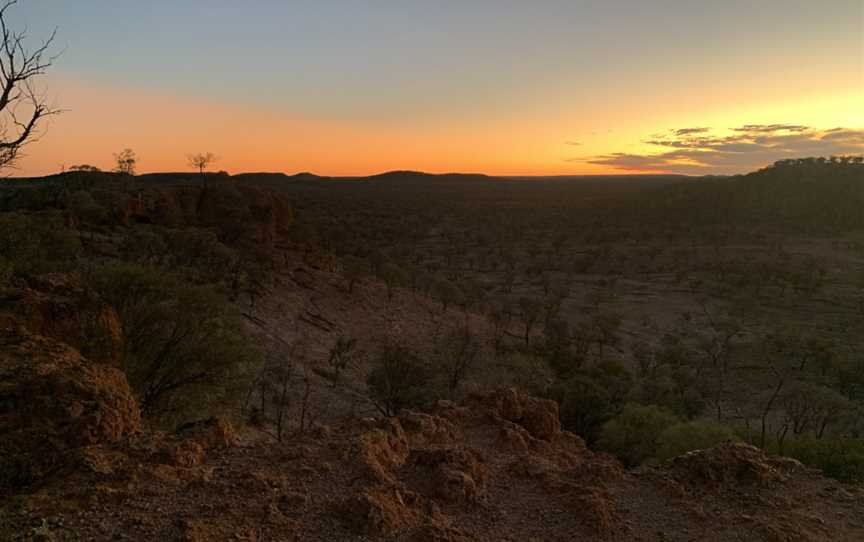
x=53 y=403
x=538 y=416
x=59 y=307
x=732 y=463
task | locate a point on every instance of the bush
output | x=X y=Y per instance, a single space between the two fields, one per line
x=839 y=458
x=524 y=371
x=590 y=398
x=400 y=380
x=185 y=354
x=35 y=243
x=634 y=434
x=696 y=435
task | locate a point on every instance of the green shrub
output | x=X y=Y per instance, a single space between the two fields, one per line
x=591 y=397
x=36 y=243
x=634 y=434
x=696 y=435
x=525 y=371
x=839 y=458
x=185 y=353
x=399 y=380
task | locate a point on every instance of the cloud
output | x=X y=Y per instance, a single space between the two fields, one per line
x=748 y=147
x=573 y=143
x=689 y=131
x=768 y=128
x=844 y=134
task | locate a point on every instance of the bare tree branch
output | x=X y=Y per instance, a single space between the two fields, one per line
x=22 y=108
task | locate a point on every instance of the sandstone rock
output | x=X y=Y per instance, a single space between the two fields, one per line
x=211 y=434
x=424 y=429
x=514 y=438
x=454 y=475
x=292 y=501
x=732 y=463
x=381 y=511
x=380 y=450
x=53 y=401
x=538 y=416
x=57 y=306
x=187 y=453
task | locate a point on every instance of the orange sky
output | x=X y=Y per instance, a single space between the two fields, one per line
x=494 y=86
x=162 y=129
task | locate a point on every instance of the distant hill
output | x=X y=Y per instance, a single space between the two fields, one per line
x=804 y=195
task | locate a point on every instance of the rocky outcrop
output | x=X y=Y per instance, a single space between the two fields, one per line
x=732 y=464
x=538 y=416
x=59 y=307
x=255 y=215
x=464 y=472
x=54 y=403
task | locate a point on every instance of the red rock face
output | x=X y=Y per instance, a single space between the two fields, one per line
x=249 y=213
x=57 y=306
x=53 y=402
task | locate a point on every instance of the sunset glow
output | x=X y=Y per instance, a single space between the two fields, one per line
x=366 y=88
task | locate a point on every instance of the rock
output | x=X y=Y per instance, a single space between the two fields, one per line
x=454 y=475
x=538 y=416
x=425 y=430
x=292 y=501
x=595 y=509
x=187 y=453
x=53 y=401
x=381 y=450
x=514 y=438
x=211 y=434
x=57 y=306
x=381 y=511
x=732 y=463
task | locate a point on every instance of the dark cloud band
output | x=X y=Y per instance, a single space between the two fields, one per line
x=696 y=151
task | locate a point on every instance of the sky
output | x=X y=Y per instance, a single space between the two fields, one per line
x=505 y=87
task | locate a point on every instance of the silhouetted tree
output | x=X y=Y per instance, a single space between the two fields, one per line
x=200 y=161
x=22 y=106
x=84 y=167
x=126 y=161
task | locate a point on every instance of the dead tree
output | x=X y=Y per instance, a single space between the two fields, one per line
x=200 y=161
x=22 y=106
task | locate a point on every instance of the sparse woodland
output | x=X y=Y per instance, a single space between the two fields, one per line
x=692 y=311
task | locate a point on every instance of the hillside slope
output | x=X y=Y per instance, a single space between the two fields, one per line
x=495 y=467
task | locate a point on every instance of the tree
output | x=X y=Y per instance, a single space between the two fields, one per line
x=126 y=161
x=22 y=106
x=341 y=355
x=589 y=398
x=447 y=292
x=696 y=435
x=399 y=380
x=184 y=350
x=392 y=275
x=85 y=168
x=633 y=435
x=530 y=310
x=458 y=353
x=353 y=268
x=200 y=161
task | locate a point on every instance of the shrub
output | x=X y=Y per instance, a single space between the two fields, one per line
x=696 y=435
x=591 y=397
x=839 y=458
x=525 y=371
x=400 y=380
x=35 y=243
x=185 y=354
x=634 y=434
x=82 y=205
